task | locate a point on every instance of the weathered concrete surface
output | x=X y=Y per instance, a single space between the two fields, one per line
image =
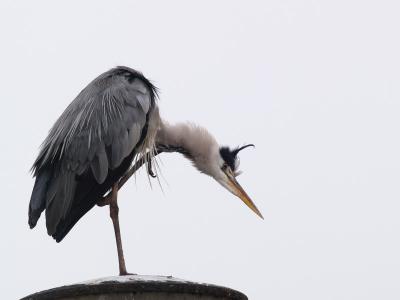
x=138 y=287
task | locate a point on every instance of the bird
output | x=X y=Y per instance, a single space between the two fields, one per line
x=111 y=129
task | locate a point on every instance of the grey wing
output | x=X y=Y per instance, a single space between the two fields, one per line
x=100 y=128
x=110 y=129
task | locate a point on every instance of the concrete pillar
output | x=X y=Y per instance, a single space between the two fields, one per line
x=138 y=287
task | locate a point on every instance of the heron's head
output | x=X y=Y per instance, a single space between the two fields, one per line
x=198 y=145
x=222 y=164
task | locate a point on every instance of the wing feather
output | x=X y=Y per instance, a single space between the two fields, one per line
x=99 y=165
x=125 y=143
x=144 y=101
x=62 y=201
x=133 y=136
x=138 y=85
x=100 y=128
x=116 y=153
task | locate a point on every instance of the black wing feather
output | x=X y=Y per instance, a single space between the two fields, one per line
x=90 y=147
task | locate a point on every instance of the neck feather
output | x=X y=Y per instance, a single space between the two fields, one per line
x=196 y=142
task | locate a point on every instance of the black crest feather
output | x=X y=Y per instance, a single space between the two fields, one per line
x=230 y=156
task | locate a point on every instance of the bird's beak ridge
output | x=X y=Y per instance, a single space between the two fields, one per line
x=235 y=188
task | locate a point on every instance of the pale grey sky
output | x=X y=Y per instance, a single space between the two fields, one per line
x=314 y=84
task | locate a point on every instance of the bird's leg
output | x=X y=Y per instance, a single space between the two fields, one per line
x=114 y=217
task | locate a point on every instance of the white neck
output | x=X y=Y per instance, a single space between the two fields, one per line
x=201 y=146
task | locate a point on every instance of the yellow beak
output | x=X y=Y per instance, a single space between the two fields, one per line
x=235 y=188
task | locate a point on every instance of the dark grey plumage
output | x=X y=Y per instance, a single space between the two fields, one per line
x=90 y=147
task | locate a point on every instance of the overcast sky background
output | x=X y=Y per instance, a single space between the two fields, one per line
x=313 y=84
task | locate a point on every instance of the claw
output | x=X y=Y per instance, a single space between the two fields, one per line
x=150 y=170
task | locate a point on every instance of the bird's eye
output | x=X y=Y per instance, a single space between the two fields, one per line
x=224 y=166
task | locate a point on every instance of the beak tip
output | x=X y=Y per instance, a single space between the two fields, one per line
x=237 y=190
x=258 y=213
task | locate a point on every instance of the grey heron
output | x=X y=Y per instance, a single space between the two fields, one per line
x=109 y=130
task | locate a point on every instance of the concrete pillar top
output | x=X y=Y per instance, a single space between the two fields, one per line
x=138 y=287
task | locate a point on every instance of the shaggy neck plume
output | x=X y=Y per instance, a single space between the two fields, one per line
x=195 y=142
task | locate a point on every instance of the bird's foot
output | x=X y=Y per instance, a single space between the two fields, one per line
x=126 y=274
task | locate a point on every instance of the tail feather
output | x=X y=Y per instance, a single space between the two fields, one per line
x=37 y=203
x=67 y=197
x=59 y=205
x=76 y=213
x=87 y=193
